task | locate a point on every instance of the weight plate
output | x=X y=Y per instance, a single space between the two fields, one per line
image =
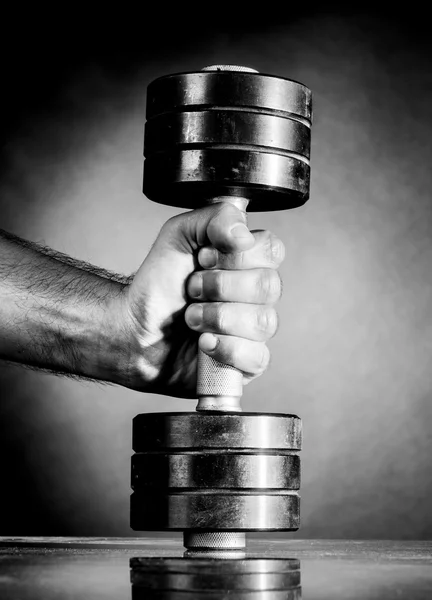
x=253 y=431
x=215 y=511
x=203 y=582
x=260 y=132
x=253 y=91
x=187 y=178
x=215 y=470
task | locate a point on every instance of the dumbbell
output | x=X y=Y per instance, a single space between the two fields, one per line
x=223 y=134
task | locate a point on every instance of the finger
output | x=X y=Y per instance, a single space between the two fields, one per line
x=250 y=321
x=267 y=252
x=227 y=230
x=221 y=225
x=254 y=286
x=252 y=358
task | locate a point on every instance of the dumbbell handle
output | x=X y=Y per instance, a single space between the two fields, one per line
x=220 y=386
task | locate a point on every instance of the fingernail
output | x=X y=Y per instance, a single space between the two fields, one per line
x=195 y=315
x=208 y=342
x=195 y=286
x=240 y=232
x=208 y=257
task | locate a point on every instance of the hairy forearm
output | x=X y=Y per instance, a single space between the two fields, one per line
x=55 y=312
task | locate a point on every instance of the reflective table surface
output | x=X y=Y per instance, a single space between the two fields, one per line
x=72 y=568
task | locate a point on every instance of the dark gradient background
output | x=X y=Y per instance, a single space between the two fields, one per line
x=353 y=356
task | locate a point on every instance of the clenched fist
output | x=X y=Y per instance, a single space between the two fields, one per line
x=207 y=281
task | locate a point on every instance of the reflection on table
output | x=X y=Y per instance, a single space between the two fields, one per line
x=99 y=569
x=173 y=578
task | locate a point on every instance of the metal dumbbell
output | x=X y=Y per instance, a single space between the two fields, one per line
x=223 y=134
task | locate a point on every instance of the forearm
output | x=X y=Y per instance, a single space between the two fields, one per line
x=55 y=313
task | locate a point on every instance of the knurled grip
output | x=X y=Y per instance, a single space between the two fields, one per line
x=220 y=386
x=214 y=540
x=237 y=68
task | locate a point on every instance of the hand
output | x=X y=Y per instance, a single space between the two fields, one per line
x=206 y=280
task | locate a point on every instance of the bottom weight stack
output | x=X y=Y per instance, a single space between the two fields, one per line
x=253 y=578
x=215 y=475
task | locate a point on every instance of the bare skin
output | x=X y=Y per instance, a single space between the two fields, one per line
x=207 y=280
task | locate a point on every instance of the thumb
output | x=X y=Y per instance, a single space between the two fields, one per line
x=227 y=230
x=221 y=225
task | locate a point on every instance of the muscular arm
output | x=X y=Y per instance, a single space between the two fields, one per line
x=54 y=312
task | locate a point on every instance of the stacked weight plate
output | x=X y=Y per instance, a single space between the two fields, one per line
x=212 y=473
x=250 y=579
x=225 y=132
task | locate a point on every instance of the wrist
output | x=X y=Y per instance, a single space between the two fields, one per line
x=123 y=352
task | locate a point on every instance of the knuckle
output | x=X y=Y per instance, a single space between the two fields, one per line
x=219 y=285
x=266 y=321
x=171 y=224
x=270 y=286
x=220 y=319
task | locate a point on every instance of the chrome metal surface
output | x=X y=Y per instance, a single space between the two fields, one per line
x=270 y=181
x=214 y=540
x=215 y=553
x=265 y=93
x=214 y=544
x=253 y=431
x=250 y=565
x=219 y=403
x=215 y=511
x=215 y=470
x=171 y=131
x=201 y=582
x=219 y=386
